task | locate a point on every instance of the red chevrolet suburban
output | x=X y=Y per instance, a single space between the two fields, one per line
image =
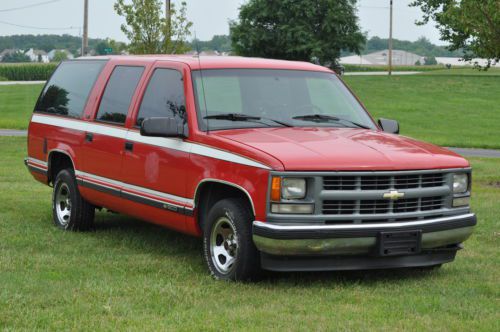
x=275 y=164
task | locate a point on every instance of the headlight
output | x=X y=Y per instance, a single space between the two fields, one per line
x=460 y=183
x=293 y=188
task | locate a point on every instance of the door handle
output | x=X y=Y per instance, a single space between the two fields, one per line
x=129 y=146
x=89 y=137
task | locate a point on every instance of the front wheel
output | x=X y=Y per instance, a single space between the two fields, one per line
x=229 y=251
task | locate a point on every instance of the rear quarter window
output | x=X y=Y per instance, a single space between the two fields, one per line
x=68 y=89
x=118 y=94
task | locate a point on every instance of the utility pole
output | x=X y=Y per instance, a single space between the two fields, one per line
x=167 y=14
x=85 y=38
x=390 y=39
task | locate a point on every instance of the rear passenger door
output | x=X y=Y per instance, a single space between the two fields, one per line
x=156 y=166
x=105 y=136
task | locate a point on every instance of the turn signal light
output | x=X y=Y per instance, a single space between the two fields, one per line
x=276 y=189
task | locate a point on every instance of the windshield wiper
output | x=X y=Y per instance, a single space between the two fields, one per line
x=326 y=118
x=243 y=117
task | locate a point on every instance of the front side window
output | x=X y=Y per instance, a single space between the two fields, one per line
x=296 y=98
x=67 y=90
x=164 y=97
x=118 y=94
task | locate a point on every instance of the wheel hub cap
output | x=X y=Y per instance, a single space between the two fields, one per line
x=223 y=245
x=63 y=204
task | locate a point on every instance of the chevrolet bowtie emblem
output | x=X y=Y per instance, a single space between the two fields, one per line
x=394 y=195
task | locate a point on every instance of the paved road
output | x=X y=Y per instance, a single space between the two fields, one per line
x=380 y=73
x=477 y=152
x=12 y=132
x=20 y=82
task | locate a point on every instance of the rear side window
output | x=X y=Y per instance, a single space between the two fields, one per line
x=164 y=96
x=118 y=94
x=67 y=91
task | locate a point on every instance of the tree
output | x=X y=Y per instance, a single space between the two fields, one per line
x=60 y=56
x=149 y=31
x=16 y=57
x=297 y=30
x=430 y=61
x=109 y=46
x=471 y=25
x=219 y=43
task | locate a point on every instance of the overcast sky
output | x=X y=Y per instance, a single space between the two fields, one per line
x=210 y=17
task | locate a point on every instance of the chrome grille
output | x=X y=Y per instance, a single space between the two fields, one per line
x=382 y=206
x=383 y=182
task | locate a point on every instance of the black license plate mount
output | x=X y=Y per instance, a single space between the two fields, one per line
x=399 y=243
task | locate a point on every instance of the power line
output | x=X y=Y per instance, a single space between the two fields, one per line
x=28 y=6
x=39 y=28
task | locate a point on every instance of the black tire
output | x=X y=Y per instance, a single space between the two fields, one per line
x=80 y=215
x=236 y=216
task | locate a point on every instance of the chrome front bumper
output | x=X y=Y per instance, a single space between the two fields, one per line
x=355 y=239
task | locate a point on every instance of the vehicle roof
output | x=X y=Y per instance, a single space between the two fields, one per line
x=217 y=62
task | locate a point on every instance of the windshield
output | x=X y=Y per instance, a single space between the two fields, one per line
x=296 y=98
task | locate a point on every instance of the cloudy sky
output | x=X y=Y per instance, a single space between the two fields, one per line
x=210 y=17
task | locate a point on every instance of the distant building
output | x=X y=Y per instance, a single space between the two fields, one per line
x=37 y=55
x=52 y=53
x=9 y=51
x=399 y=58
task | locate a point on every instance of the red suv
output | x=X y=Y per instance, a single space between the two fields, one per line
x=275 y=164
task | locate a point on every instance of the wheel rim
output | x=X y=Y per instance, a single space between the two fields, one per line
x=224 y=245
x=63 y=204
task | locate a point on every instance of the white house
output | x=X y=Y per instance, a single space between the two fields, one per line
x=37 y=55
x=399 y=58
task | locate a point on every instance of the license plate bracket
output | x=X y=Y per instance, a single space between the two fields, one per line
x=399 y=243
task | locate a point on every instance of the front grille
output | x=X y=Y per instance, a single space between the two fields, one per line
x=383 y=182
x=382 y=206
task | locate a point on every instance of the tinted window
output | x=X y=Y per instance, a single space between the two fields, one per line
x=118 y=94
x=164 y=96
x=67 y=91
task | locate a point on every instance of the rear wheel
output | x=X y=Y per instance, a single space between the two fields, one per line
x=70 y=211
x=229 y=251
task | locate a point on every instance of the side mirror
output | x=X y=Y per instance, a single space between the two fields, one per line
x=162 y=127
x=389 y=126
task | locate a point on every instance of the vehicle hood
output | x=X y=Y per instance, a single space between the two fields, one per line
x=328 y=149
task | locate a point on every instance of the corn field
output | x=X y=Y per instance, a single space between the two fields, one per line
x=27 y=71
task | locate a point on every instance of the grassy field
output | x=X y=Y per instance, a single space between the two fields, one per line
x=128 y=275
x=446 y=110
x=459 y=107
x=16 y=104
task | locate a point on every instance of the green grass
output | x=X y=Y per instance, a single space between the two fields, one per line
x=446 y=110
x=128 y=275
x=16 y=105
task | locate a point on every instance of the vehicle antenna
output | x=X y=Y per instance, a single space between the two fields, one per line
x=202 y=83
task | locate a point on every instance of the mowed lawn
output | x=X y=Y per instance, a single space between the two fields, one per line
x=16 y=104
x=129 y=275
x=445 y=109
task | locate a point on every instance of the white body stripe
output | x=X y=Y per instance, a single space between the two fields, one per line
x=169 y=143
x=37 y=161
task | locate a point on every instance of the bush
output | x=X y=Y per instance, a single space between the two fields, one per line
x=27 y=71
x=2 y=79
